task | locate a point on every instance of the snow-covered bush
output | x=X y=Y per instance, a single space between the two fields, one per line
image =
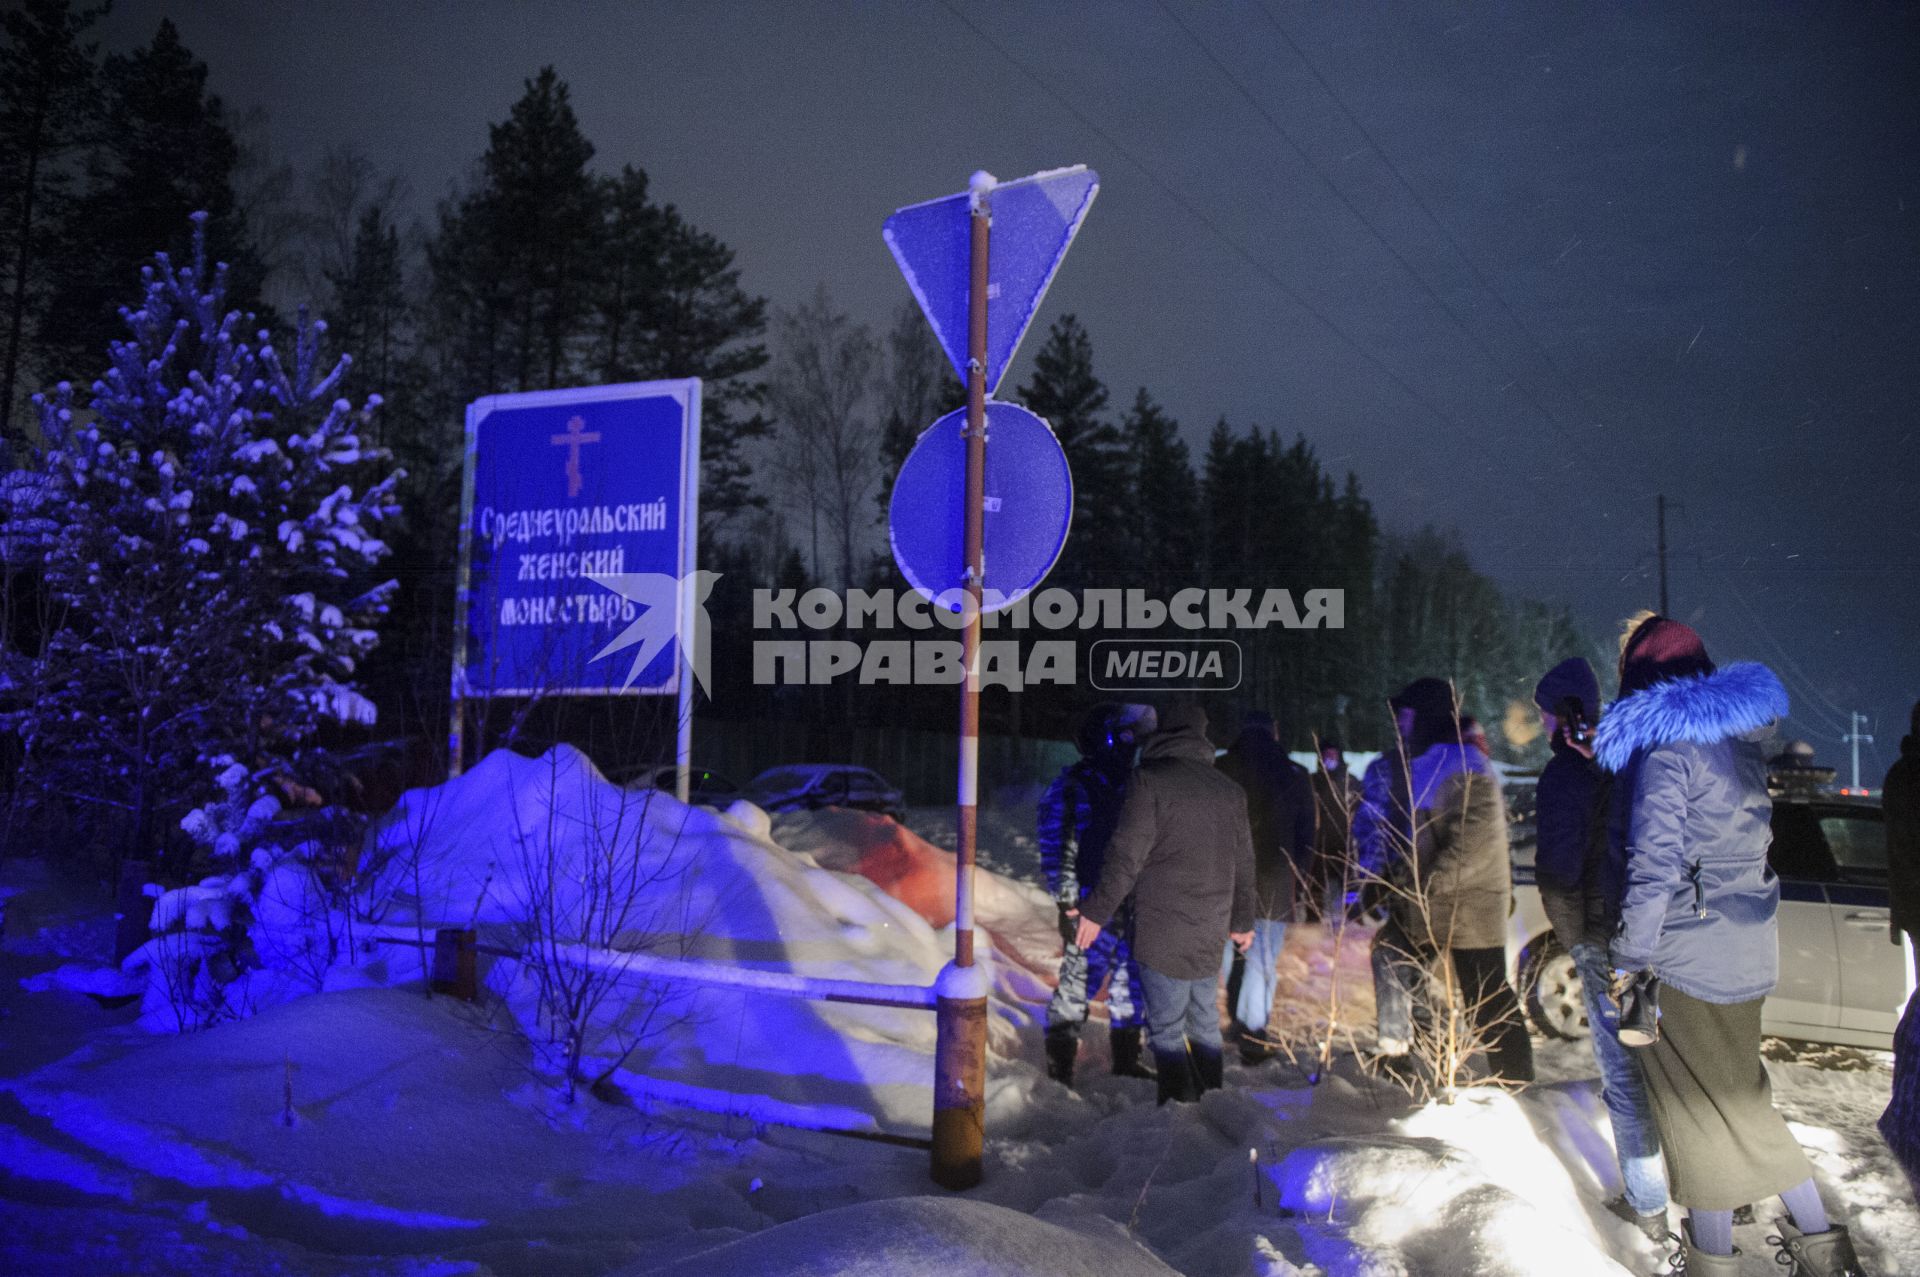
x=269 y=930
x=204 y=531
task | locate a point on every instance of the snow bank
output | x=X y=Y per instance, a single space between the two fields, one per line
x=1018 y=917
x=906 y=1235
x=1429 y=1204
x=820 y=897
x=85 y=977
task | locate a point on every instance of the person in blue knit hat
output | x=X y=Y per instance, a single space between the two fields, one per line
x=1569 y=864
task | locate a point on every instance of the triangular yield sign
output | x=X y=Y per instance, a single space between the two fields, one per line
x=1034 y=221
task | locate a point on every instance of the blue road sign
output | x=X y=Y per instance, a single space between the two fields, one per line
x=1034 y=220
x=577 y=526
x=1029 y=505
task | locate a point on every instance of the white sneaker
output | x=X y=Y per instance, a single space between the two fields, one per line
x=1392 y=1046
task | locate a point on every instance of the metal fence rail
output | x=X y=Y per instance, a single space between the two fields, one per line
x=627 y=962
x=454 y=969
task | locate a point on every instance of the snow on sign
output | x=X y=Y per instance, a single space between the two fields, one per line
x=1029 y=505
x=577 y=528
x=1034 y=221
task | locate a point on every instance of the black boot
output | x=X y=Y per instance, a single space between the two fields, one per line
x=1126 y=1053
x=1174 y=1071
x=1695 y=1262
x=1062 y=1047
x=1210 y=1068
x=1828 y=1254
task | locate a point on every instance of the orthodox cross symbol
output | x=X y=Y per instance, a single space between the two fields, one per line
x=577 y=434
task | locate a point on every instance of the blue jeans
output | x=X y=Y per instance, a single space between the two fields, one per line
x=1622 y=1087
x=1259 y=978
x=1181 y=1013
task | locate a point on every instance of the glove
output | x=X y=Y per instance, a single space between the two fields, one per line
x=1637 y=994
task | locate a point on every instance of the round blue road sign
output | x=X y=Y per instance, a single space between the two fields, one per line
x=1029 y=506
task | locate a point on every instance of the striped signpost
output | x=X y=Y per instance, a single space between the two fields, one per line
x=980 y=295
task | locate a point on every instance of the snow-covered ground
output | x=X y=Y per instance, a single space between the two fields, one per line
x=372 y=1129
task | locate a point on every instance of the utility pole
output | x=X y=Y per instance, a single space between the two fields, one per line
x=1661 y=514
x=1855 y=737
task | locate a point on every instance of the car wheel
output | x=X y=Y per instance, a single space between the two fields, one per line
x=1552 y=987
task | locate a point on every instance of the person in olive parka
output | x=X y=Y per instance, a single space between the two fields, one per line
x=1183 y=850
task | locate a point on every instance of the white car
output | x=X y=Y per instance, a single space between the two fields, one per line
x=1842 y=979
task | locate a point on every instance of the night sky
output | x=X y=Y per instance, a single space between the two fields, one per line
x=1520 y=267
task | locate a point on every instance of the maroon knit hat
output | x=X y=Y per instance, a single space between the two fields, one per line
x=1659 y=650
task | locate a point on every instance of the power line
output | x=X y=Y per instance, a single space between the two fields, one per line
x=1218 y=233
x=1326 y=180
x=1808 y=699
x=1786 y=658
x=1420 y=202
x=1806 y=692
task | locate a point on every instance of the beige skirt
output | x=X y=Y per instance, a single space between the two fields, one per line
x=1725 y=1144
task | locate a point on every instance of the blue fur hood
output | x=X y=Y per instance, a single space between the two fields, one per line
x=1702 y=709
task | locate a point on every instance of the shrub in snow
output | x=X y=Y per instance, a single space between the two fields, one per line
x=205 y=532
x=269 y=930
x=595 y=866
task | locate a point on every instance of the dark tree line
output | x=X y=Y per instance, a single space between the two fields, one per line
x=1255 y=511
x=102 y=162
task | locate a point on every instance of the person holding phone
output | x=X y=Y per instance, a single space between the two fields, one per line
x=1569 y=866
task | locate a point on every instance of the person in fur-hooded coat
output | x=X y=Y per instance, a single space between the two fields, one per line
x=1688 y=846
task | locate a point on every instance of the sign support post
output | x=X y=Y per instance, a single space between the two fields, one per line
x=942 y=247
x=980 y=226
x=960 y=1053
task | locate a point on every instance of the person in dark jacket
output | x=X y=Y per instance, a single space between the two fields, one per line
x=1385 y=843
x=1451 y=891
x=1076 y=819
x=1697 y=913
x=1569 y=864
x=1900 y=803
x=1900 y=1123
x=1336 y=799
x=1280 y=814
x=1183 y=850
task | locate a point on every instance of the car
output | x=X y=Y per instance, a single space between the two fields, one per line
x=810 y=786
x=1842 y=980
x=708 y=787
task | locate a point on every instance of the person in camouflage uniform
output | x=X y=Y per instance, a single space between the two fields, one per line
x=1077 y=817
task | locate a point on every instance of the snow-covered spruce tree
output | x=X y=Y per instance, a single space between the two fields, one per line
x=207 y=542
